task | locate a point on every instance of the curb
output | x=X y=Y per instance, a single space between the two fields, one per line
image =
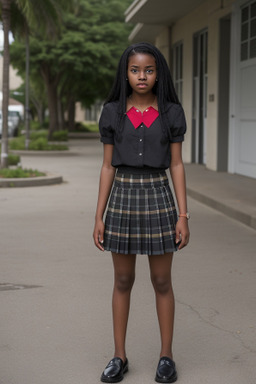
x=44 y=153
x=31 y=181
x=84 y=135
x=235 y=214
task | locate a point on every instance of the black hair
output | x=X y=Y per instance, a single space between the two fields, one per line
x=163 y=89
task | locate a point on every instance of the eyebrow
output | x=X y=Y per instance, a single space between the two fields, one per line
x=147 y=66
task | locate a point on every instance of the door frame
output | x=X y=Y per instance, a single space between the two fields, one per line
x=199 y=102
x=235 y=86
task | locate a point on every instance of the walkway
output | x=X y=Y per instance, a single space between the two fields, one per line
x=55 y=288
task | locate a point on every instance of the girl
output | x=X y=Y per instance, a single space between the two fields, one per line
x=142 y=126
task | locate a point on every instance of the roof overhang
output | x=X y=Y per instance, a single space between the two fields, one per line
x=145 y=32
x=151 y=16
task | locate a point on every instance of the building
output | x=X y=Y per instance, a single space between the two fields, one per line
x=14 y=79
x=210 y=46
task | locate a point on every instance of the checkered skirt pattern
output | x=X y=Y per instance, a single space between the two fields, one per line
x=141 y=215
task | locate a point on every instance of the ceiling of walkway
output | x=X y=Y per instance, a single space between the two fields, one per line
x=163 y=12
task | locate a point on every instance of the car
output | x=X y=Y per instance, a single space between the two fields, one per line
x=13 y=123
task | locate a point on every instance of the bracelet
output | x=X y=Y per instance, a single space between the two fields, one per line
x=186 y=215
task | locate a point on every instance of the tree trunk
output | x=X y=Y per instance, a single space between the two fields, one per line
x=61 y=122
x=53 y=107
x=71 y=114
x=6 y=18
x=40 y=109
x=27 y=109
x=52 y=98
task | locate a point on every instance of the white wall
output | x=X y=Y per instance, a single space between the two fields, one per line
x=205 y=16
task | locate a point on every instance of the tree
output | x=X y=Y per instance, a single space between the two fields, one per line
x=20 y=15
x=81 y=64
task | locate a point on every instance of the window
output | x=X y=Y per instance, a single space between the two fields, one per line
x=248 y=31
x=177 y=65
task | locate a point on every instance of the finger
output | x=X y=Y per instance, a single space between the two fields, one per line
x=177 y=240
x=99 y=245
x=184 y=242
x=97 y=241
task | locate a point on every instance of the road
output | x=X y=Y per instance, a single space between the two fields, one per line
x=55 y=289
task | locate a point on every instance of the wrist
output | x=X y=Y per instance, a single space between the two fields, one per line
x=185 y=215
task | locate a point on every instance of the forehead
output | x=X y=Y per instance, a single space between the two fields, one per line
x=142 y=59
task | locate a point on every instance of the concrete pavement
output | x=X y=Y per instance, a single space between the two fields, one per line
x=55 y=289
x=233 y=195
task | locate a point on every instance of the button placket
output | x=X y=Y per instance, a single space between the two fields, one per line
x=141 y=145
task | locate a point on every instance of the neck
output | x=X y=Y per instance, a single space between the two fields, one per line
x=142 y=100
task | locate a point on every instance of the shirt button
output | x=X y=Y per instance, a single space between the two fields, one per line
x=140 y=139
x=137 y=110
x=140 y=154
x=141 y=126
x=146 y=110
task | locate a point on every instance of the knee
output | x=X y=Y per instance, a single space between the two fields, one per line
x=124 y=282
x=162 y=284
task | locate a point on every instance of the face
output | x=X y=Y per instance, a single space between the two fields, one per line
x=142 y=73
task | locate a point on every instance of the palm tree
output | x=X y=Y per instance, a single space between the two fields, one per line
x=24 y=14
x=6 y=10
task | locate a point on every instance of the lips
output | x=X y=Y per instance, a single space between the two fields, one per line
x=142 y=85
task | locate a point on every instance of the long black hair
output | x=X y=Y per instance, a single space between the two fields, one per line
x=163 y=89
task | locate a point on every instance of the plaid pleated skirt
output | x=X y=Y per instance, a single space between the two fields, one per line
x=141 y=215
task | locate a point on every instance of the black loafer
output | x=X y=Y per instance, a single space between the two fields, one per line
x=166 y=371
x=114 y=371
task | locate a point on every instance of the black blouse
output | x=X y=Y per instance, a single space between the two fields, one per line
x=143 y=146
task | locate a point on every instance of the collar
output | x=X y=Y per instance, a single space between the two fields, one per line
x=137 y=117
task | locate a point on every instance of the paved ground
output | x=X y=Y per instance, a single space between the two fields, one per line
x=55 y=292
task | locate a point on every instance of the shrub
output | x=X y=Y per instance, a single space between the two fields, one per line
x=19 y=173
x=34 y=135
x=35 y=125
x=81 y=127
x=40 y=143
x=17 y=144
x=60 y=135
x=13 y=159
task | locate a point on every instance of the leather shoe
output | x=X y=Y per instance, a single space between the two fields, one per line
x=166 y=371
x=114 y=371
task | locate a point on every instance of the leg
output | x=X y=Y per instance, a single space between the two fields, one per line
x=124 y=270
x=160 y=269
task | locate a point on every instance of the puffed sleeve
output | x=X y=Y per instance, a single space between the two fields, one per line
x=105 y=126
x=178 y=124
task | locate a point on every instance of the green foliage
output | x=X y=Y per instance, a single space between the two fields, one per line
x=18 y=143
x=82 y=127
x=60 y=136
x=19 y=173
x=38 y=143
x=35 y=126
x=34 y=135
x=13 y=159
x=82 y=62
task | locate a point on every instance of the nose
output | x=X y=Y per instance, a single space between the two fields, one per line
x=142 y=75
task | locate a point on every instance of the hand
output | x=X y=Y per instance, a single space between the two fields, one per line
x=182 y=232
x=98 y=234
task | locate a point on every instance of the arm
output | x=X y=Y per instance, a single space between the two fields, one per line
x=179 y=183
x=106 y=180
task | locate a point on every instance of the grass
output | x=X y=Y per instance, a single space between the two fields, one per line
x=7 y=173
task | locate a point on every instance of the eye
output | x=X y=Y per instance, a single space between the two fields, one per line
x=133 y=70
x=149 y=70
